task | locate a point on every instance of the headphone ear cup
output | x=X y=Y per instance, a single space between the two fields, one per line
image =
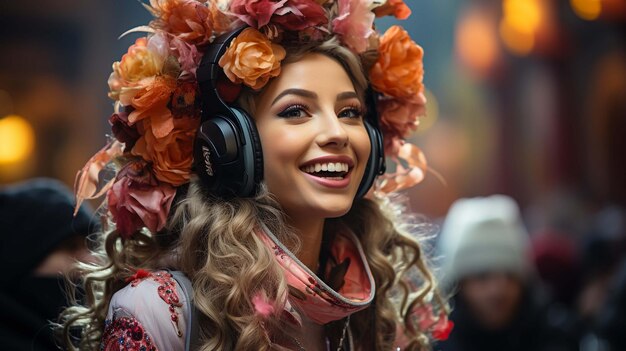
x=255 y=149
x=215 y=147
x=375 y=163
x=228 y=155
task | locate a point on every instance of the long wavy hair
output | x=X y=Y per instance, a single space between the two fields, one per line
x=228 y=264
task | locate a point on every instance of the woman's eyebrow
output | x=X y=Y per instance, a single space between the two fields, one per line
x=347 y=95
x=301 y=92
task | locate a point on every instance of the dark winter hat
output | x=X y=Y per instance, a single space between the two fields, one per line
x=35 y=217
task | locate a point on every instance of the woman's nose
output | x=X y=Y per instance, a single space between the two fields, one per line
x=332 y=132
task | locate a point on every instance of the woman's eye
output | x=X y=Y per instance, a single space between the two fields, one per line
x=351 y=112
x=295 y=111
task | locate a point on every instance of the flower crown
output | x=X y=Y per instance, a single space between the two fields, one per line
x=157 y=107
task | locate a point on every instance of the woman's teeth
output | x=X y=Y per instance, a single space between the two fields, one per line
x=337 y=167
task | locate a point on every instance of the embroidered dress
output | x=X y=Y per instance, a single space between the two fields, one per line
x=146 y=315
x=149 y=314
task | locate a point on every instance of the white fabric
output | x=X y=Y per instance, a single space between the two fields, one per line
x=143 y=303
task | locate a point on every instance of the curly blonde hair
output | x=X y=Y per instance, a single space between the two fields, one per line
x=228 y=264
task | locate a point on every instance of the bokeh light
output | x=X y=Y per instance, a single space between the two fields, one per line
x=17 y=139
x=476 y=43
x=520 y=23
x=524 y=16
x=519 y=43
x=587 y=9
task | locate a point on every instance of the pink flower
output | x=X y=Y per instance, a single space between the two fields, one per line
x=138 y=200
x=180 y=58
x=410 y=166
x=262 y=306
x=291 y=15
x=300 y=14
x=255 y=13
x=354 y=23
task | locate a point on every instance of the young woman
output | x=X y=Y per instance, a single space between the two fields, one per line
x=246 y=139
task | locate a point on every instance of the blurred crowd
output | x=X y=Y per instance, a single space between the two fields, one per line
x=509 y=289
x=547 y=290
x=41 y=241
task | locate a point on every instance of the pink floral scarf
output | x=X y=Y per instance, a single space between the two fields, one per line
x=315 y=298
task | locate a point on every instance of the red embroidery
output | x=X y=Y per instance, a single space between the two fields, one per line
x=278 y=251
x=139 y=275
x=167 y=292
x=125 y=334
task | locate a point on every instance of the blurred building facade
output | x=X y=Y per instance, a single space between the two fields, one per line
x=526 y=97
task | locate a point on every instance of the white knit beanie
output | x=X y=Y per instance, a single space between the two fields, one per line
x=483 y=235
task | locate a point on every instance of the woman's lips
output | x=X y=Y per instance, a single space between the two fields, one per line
x=330 y=182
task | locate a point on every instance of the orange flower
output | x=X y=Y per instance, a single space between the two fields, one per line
x=136 y=70
x=189 y=20
x=152 y=103
x=252 y=59
x=172 y=154
x=397 y=8
x=221 y=22
x=399 y=70
x=400 y=117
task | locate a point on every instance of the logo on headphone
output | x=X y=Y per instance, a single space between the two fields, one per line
x=207 y=160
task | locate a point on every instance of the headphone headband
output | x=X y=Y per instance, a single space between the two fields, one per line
x=209 y=72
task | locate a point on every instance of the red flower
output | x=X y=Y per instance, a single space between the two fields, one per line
x=292 y=15
x=137 y=200
x=256 y=13
x=184 y=102
x=300 y=14
x=122 y=131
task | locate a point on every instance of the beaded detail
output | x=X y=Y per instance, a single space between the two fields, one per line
x=125 y=334
x=167 y=292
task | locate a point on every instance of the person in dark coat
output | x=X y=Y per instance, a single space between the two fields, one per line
x=41 y=239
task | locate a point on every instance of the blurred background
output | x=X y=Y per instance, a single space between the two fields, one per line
x=526 y=98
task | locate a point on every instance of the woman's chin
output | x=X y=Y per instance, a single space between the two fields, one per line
x=335 y=209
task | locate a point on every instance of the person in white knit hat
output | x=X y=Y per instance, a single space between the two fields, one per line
x=482 y=235
x=484 y=246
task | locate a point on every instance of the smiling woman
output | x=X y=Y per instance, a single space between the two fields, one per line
x=270 y=221
x=313 y=139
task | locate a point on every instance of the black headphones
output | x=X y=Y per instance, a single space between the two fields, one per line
x=227 y=150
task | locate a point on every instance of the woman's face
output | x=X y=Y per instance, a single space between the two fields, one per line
x=315 y=146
